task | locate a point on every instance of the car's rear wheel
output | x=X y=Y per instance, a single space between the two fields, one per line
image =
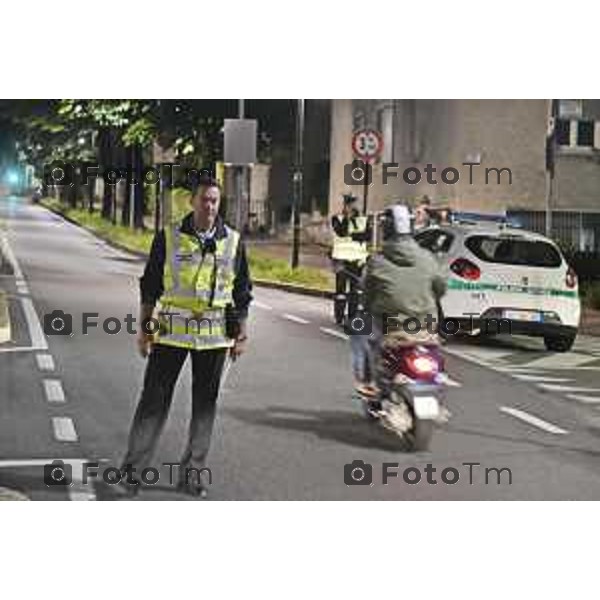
x=559 y=343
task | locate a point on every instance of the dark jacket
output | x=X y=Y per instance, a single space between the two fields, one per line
x=151 y=282
x=404 y=281
x=340 y=227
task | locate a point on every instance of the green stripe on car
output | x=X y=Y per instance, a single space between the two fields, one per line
x=454 y=284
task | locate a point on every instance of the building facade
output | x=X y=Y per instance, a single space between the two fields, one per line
x=479 y=155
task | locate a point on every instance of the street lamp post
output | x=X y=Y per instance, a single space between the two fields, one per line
x=298 y=172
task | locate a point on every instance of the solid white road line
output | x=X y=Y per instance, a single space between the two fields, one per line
x=584 y=399
x=54 y=390
x=540 y=378
x=10 y=257
x=532 y=420
x=262 y=305
x=566 y=388
x=64 y=429
x=36 y=332
x=33 y=323
x=45 y=362
x=295 y=319
x=334 y=333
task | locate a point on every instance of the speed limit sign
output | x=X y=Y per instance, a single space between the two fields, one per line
x=367 y=144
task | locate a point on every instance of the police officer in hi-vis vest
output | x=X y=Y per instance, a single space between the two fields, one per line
x=198 y=274
x=349 y=255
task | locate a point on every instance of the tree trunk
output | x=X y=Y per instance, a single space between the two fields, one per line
x=105 y=153
x=138 y=189
x=126 y=205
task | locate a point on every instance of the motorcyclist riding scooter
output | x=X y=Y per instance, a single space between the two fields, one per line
x=402 y=285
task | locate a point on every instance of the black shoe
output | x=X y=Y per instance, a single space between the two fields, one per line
x=125 y=489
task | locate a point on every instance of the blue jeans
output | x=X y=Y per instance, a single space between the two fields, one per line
x=362 y=364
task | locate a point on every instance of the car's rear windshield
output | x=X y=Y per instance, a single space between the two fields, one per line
x=514 y=251
x=435 y=240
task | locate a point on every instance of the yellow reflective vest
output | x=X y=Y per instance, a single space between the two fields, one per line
x=197 y=288
x=345 y=248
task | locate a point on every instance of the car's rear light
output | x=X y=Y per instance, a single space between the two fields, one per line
x=464 y=268
x=571 y=278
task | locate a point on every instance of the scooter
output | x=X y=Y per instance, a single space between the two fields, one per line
x=412 y=405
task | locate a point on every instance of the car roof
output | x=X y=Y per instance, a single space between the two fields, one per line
x=462 y=229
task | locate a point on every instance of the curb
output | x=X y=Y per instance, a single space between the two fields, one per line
x=285 y=287
x=110 y=242
x=293 y=288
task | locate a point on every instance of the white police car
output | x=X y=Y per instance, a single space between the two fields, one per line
x=503 y=279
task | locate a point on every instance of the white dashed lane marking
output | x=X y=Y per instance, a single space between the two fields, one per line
x=295 y=319
x=64 y=429
x=334 y=333
x=45 y=362
x=262 y=305
x=533 y=420
x=54 y=390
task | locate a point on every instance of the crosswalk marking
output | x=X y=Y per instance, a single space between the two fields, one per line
x=584 y=399
x=566 y=388
x=561 y=360
x=533 y=420
x=540 y=378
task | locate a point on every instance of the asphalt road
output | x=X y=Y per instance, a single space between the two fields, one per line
x=287 y=425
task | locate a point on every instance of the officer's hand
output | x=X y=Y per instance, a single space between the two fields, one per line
x=144 y=343
x=239 y=347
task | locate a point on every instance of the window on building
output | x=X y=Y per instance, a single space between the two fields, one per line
x=585 y=133
x=563 y=132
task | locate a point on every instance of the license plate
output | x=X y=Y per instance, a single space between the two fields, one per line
x=522 y=315
x=426 y=407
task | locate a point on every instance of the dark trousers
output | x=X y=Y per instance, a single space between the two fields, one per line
x=162 y=370
x=347 y=276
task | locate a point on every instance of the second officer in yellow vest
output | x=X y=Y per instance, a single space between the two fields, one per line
x=349 y=254
x=198 y=274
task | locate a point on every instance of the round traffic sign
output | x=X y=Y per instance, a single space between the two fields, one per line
x=367 y=144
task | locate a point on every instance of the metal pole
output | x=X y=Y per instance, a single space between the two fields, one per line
x=239 y=181
x=298 y=182
x=366 y=192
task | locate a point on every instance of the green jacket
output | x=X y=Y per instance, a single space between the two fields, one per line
x=404 y=281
